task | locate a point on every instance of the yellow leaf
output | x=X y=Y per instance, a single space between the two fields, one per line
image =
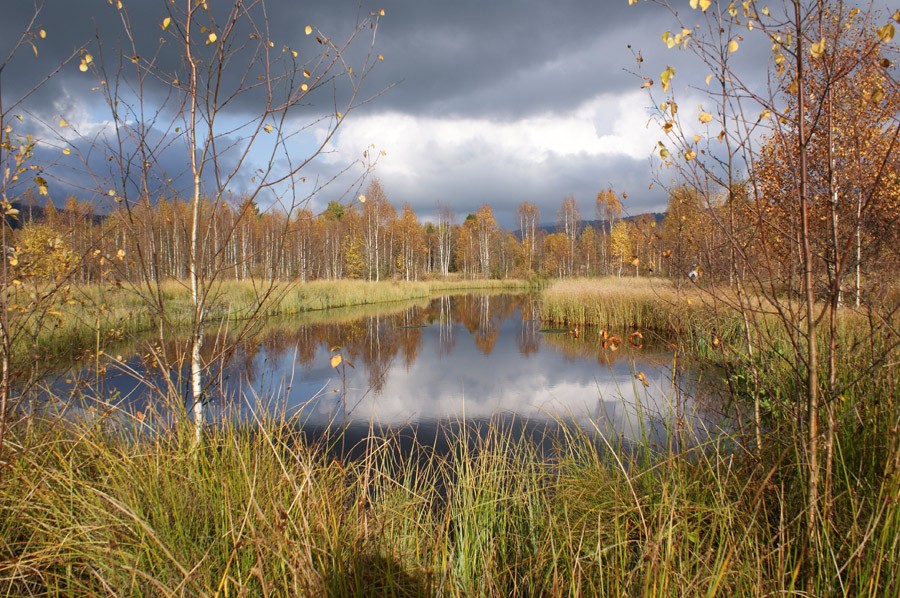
x=306 y=73
x=294 y=53
x=267 y=128
x=632 y=2
x=708 y=79
x=765 y=10
x=666 y=76
x=765 y=114
x=43 y=34
x=896 y=16
x=643 y=379
x=88 y=59
x=663 y=153
x=63 y=123
x=886 y=33
x=694 y=4
x=381 y=12
x=697 y=138
x=66 y=151
x=690 y=155
x=854 y=12
x=166 y=22
x=877 y=95
x=705 y=117
x=362 y=198
x=42 y=189
x=120 y=254
x=212 y=38
x=381 y=57
x=83 y=66
x=308 y=29
x=817 y=49
x=704 y=4
x=336 y=361
x=304 y=87
x=13 y=261
x=733 y=46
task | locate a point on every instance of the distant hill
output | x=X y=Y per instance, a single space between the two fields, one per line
x=595 y=224
x=36 y=212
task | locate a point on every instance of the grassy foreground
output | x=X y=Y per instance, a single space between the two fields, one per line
x=85 y=512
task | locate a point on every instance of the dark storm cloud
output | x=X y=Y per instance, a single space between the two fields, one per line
x=461 y=58
x=503 y=59
x=472 y=62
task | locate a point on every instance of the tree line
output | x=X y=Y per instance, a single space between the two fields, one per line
x=370 y=239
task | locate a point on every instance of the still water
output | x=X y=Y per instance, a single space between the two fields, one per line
x=450 y=359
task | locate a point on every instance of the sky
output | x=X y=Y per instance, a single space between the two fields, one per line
x=474 y=102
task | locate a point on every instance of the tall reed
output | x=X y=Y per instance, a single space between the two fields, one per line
x=619 y=304
x=91 y=508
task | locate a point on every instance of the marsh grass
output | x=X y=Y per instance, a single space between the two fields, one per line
x=91 y=509
x=616 y=303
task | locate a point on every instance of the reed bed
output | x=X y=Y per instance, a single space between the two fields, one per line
x=616 y=303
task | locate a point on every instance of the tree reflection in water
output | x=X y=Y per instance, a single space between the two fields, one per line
x=463 y=356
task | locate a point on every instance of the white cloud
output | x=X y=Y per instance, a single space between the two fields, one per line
x=471 y=160
x=603 y=126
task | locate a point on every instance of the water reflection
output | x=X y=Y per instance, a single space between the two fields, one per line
x=472 y=357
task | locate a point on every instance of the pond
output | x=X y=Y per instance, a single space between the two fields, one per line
x=462 y=358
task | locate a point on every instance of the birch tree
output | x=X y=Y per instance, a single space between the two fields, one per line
x=234 y=100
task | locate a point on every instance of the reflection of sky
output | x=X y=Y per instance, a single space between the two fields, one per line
x=446 y=380
x=467 y=383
